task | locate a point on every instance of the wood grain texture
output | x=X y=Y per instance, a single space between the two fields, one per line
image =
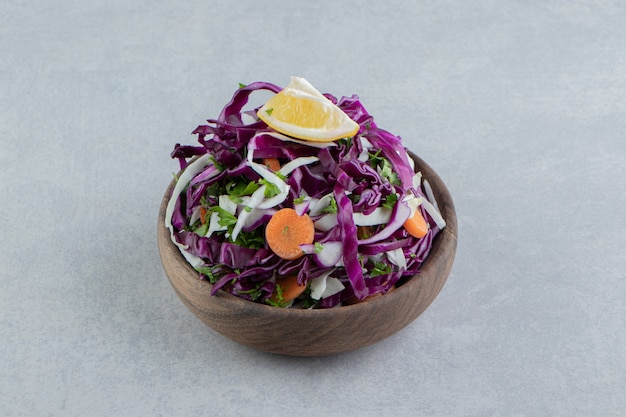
x=324 y=331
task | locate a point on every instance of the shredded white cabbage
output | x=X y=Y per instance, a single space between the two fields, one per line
x=397 y=258
x=413 y=202
x=195 y=216
x=429 y=194
x=297 y=163
x=227 y=204
x=331 y=254
x=366 y=145
x=185 y=177
x=214 y=225
x=380 y=215
x=326 y=222
x=318 y=204
x=417 y=179
x=434 y=213
x=325 y=286
x=253 y=202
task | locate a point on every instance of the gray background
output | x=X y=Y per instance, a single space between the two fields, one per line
x=520 y=106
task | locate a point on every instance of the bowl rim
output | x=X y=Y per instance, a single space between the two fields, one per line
x=446 y=238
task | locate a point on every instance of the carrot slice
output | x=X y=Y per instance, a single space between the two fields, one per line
x=286 y=231
x=290 y=289
x=272 y=163
x=203 y=215
x=416 y=225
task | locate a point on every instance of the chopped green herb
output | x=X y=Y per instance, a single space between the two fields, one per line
x=254 y=239
x=271 y=189
x=209 y=273
x=253 y=293
x=384 y=167
x=390 y=201
x=310 y=303
x=241 y=186
x=217 y=165
x=235 y=199
x=347 y=142
x=318 y=247
x=269 y=111
x=226 y=218
x=332 y=207
x=375 y=159
x=210 y=195
x=277 y=300
x=380 y=268
x=242 y=85
x=201 y=228
x=387 y=172
x=355 y=198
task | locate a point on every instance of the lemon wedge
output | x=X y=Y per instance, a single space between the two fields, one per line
x=300 y=111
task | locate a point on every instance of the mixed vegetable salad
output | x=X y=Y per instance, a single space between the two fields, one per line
x=298 y=223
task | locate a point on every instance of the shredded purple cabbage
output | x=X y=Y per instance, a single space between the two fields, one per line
x=364 y=175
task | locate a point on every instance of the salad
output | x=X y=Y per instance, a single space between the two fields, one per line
x=302 y=203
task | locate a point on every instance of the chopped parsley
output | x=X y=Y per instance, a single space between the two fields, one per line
x=390 y=201
x=220 y=167
x=253 y=293
x=239 y=187
x=384 y=167
x=254 y=239
x=347 y=142
x=318 y=247
x=271 y=189
x=277 y=299
x=332 y=207
x=380 y=268
x=209 y=273
x=226 y=219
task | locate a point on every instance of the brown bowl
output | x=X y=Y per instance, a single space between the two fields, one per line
x=316 y=332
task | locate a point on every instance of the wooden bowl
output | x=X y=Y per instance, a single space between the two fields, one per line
x=317 y=332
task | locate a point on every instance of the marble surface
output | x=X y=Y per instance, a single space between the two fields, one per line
x=520 y=106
